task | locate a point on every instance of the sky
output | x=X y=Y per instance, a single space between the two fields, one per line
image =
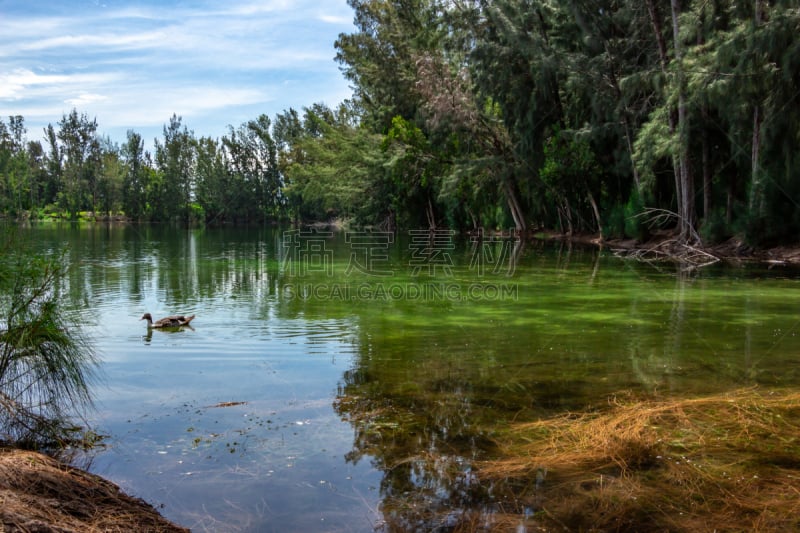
x=133 y=64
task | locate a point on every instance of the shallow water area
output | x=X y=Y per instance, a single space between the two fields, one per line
x=330 y=383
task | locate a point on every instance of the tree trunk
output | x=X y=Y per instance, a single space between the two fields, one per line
x=655 y=19
x=514 y=206
x=706 y=166
x=729 y=205
x=596 y=213
x=568 y=215
x=626 y=125
x=756 y=187
x=475 y=222
x=658 y=30
x=431 y=215
x=756 y=192
x=686 y=185
x=628 y=140
x=701 y=40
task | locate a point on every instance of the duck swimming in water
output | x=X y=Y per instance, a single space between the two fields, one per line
x=174 y=321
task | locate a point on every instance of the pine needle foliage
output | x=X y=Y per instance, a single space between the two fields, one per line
x=46 y=363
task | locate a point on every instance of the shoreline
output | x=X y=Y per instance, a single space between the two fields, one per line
x=732 y=250
x=41 y=493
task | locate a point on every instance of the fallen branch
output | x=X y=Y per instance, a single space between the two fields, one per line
x=686 y=253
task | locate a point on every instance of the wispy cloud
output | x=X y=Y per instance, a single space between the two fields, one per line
x=85 y=99
x=132 y=67
x=334 y=19
x=21 y=84
x=100 y=41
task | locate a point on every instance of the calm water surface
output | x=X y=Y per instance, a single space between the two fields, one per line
x=337 y=384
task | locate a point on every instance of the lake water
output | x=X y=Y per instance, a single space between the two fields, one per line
x=343 y=382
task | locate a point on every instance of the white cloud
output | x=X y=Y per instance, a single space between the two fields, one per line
x=133 y=67
x=21 y=84
x=102 y=41
x=335 y=19
x=84 y=99
x=257 y=8
x=135 y=108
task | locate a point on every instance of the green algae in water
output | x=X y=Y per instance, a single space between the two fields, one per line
x=405 y=393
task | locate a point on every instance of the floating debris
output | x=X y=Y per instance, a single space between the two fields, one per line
x=225 y=404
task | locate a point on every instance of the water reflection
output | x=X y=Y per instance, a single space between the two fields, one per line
x=422 y=388
x=165 y=331
x=429 y=404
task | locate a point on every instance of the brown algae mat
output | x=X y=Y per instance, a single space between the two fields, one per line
x=727 y=462
x=41 y=494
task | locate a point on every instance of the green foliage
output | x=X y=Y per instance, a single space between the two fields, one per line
x=197 y=215
x=568 y=169
x=568 y=160
x=409 y=154
x=16 y=176
x=175 y=160
x=381 y=57
x=80 y=162
x=654 y=144
x=414 y=167
x=627 y=221
x=715 y=228
x=615 y=222
x=46 y=365
x=466 y=113
x=635 y=223
x=240 y=178
x=333 y=167
x=134 y=182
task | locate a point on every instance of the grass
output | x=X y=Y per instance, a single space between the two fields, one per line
x=728 y=462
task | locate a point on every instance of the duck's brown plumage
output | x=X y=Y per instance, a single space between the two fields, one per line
x=173 y=321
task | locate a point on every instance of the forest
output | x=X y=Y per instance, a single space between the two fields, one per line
x=604 y=117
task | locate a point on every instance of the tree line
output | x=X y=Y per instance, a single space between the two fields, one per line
x=186 y=178
x=605 y=116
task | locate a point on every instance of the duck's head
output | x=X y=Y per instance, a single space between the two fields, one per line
x=147 y=316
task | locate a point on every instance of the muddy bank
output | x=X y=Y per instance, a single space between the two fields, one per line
x=41 y=494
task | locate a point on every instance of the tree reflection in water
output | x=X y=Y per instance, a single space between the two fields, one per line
x=426 y=437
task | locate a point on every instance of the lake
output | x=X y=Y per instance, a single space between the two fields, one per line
x=343 y=381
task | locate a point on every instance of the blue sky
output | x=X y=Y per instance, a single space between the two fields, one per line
x=132 y=64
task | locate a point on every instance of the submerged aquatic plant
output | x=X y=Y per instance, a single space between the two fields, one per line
x=46 y=363
x=723 y=462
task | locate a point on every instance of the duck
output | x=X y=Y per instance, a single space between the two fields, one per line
x=174 y=321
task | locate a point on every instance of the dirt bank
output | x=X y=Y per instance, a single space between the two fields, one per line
x=40 y=494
